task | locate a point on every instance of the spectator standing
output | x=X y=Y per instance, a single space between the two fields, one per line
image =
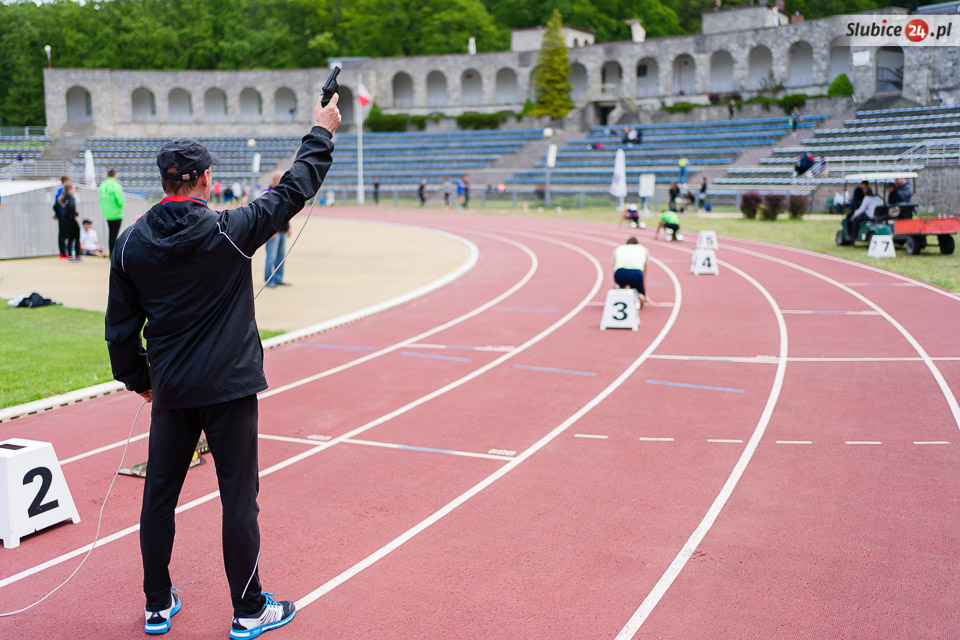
x=422 y=192
x=68 y=222
x=702 y=195
x=237 y=192
x=682 y=165
x=674 y=195
x=276 y=248
x=61 y=237
x=447 y=191
x=111 y=207
x=217 y=191
x=376 y=191
x=795 y=118
x=731 y=106
x=460 y=189
x=466 y=191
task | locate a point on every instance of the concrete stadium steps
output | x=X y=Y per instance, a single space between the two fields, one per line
x=68 y=143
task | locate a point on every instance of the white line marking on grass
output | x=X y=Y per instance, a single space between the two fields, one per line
x=374 y=423
x=794 y=442
x=650 y=439
x=862 y=442
x=502 y=471
x=931 y=442
x=589 y=435
x=725 y=440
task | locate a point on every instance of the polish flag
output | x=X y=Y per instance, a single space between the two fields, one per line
x=363 y=96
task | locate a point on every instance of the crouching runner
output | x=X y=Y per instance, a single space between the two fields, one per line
x=629 y=262
x=185 y=271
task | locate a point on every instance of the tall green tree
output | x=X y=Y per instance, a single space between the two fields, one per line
x=551 y=76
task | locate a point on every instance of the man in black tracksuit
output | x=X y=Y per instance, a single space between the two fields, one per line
x=185 y=271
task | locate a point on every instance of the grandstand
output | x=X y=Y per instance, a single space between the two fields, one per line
x=586 y=164
x=20 y=153
x=876 y=140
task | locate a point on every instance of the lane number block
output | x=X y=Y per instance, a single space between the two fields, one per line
x=708 y=240
x=620 y=310
x=704 y=261
x=881 y=247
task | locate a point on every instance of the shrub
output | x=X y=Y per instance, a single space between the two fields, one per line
x=473 y=120
x=772 y=206
x=798 y=206
x=378 y=121
x=420 y=122
x=714 y=98
x=841 y=86
x=749 y=203
x=788 y=102
x=680 y=107
x=764 y=101
x=527 y=109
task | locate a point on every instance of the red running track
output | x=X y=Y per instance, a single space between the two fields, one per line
x=484 y=462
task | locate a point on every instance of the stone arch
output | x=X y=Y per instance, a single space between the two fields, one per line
x=285 y=105
x=648 y=78
x=346 y=105
x=79 y=105
x=179 y=106
x=684 y=75
x=437 y=93
x=759 y=65
x=578 y=81
x=143 y=104
x=251 y=105
x=889 y=70
x=839 y=58
x=471 y=88
x=214 y=105
x=402 y=85
x=507 y=90
x=611 y=78
x=800 y=64
x=721 y=72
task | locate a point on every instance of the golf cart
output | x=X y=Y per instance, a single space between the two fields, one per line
x=898 y=221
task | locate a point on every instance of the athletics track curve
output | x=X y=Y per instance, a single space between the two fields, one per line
x=484 y=462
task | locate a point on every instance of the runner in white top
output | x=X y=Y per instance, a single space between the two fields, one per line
x=629 y=263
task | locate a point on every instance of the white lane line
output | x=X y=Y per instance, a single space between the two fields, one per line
x=108 y=447
x=690 y=546
x=879 y=284
x=452 y=452
x=373 y=423
x=505 y=469
x=725 y=440
x=935 y=359
x=534 y=266
x=862 y=442
x=266 y=436
x=813 y=312
x=794 y=442
x=743 y=359
x=931 y=442
x=589 y=435
x=651 y=439
x=934 y=370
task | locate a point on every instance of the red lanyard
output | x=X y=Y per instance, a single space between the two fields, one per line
x=183 y=199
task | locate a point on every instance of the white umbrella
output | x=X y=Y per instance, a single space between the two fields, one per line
x=89 y=172
x=618 y=186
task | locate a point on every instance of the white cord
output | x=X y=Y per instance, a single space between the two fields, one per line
x=96 y=538
x=103 y=506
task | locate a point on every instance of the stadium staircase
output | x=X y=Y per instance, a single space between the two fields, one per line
x=69 y=143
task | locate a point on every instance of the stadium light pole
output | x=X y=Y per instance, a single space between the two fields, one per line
x=46 y=48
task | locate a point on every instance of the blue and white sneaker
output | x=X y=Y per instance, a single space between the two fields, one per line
x=159 y=621
x=273 y=615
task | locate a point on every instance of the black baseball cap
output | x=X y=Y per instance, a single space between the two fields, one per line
x=189 y=157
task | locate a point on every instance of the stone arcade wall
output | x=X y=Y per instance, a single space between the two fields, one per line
x=602 y=74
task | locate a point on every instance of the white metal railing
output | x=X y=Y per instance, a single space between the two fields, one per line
x=36 y=170
x=812 y=176
x=23 y=131
x=929 y=152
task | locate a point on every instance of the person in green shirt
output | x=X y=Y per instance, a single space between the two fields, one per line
x=111 y=206
x=669 y=220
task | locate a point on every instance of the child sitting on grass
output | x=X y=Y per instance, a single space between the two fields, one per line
x=89 y=243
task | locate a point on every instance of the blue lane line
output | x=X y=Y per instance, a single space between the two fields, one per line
x=534 y=309
x=427 y=449
x=433 y=357
x=345 y=347
x=693 y=386
x=551 y=369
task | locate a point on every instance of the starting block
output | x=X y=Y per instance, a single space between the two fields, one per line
x=704 y=262
x=33 y=492
x=621 y=310
x=139 y=470
x=708 y=240
x=881 y=247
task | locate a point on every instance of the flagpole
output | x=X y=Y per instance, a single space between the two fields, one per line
x=359 y=144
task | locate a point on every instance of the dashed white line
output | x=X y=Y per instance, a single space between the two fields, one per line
x=647 y=439
x=589 y=435
x=862 y=442
x=931 y=442
x=725 y=440
x=794 y=442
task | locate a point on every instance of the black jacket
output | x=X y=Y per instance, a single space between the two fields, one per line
x=185 y=270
